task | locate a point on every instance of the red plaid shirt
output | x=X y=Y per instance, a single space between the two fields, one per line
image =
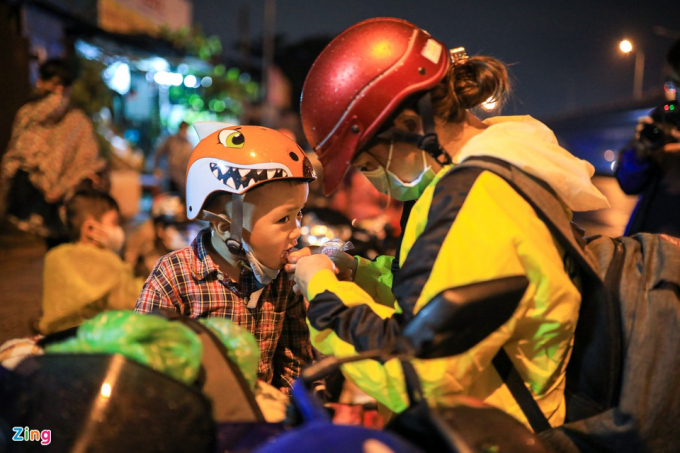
x=189 y=281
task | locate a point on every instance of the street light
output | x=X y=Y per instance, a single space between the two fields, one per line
x=627 y=47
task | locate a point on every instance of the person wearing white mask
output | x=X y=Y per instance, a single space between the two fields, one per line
x=403 y=119
x=387 y=182
x=166 y=231
x=87 y=276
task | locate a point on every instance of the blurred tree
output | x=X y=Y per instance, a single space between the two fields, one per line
x=222 y=92
x=193 y=41
x=91 y=94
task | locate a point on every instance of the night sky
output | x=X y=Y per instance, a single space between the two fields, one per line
x=564 y=55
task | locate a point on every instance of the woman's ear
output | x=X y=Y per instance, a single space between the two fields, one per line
x=410 y=121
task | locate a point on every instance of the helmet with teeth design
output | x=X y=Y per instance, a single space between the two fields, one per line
x=236 y=159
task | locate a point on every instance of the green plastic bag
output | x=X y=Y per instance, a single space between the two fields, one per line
x=166 y=346
x=240 y=343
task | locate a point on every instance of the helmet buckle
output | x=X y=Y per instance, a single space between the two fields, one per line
x=458 y=55
x=234 y=246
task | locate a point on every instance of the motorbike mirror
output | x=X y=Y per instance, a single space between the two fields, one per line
x=459 y=318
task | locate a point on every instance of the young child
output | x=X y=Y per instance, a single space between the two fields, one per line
x=87 y=276
x=250 y=183
x=166 y=231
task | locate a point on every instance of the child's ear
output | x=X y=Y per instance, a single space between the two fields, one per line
x=159 y=228
x=87 y=227
x=221 y=226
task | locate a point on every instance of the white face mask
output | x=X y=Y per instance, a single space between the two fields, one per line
x=263 y=274
x=390 y=184
x=114 y=238
x=173 y=239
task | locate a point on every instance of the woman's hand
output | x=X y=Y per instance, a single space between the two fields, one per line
x=345 y=264
x=306 y=267
x=673 y=147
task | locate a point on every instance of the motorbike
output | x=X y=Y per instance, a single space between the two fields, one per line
x=108 y=403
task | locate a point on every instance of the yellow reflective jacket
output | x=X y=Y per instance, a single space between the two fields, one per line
x=468 y=226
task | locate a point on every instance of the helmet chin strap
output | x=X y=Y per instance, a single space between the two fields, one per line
x=235 y=245
x=428 y=141
x=235 y=242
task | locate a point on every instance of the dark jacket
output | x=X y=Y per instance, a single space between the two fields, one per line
x=657 y=179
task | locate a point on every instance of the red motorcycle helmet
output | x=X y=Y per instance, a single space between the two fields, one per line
x=359 y=79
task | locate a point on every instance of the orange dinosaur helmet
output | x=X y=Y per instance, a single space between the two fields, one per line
x=235 y=159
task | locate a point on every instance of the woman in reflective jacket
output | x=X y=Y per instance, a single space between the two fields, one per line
x=392 y=101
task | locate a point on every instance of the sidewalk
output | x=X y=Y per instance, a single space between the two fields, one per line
x=21 y=267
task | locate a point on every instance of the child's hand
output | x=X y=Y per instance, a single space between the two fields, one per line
x=307 y=267
x=95 y=232
x=293 y=258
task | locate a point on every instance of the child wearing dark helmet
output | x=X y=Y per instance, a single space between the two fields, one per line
x=250 y=183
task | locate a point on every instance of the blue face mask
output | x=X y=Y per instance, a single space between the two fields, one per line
x=390 y=184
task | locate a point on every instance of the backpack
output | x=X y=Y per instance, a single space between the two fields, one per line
x=623 y=379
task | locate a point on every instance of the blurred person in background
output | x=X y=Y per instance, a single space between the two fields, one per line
x=167 y=230
x=176 y=149
x=650 y=165
x=52 y=153
x=87 y=276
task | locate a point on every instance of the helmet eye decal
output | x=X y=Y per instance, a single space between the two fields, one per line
x=241 y=178
x=231 y=138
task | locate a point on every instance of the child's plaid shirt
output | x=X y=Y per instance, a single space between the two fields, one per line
x=189 y=281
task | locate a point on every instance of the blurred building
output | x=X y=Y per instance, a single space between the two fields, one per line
x=141 y=59
x=35 y=30
x=143 y=69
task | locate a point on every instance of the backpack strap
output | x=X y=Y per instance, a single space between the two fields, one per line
x=543 y=199
x=594 y=370
x=508 y=373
